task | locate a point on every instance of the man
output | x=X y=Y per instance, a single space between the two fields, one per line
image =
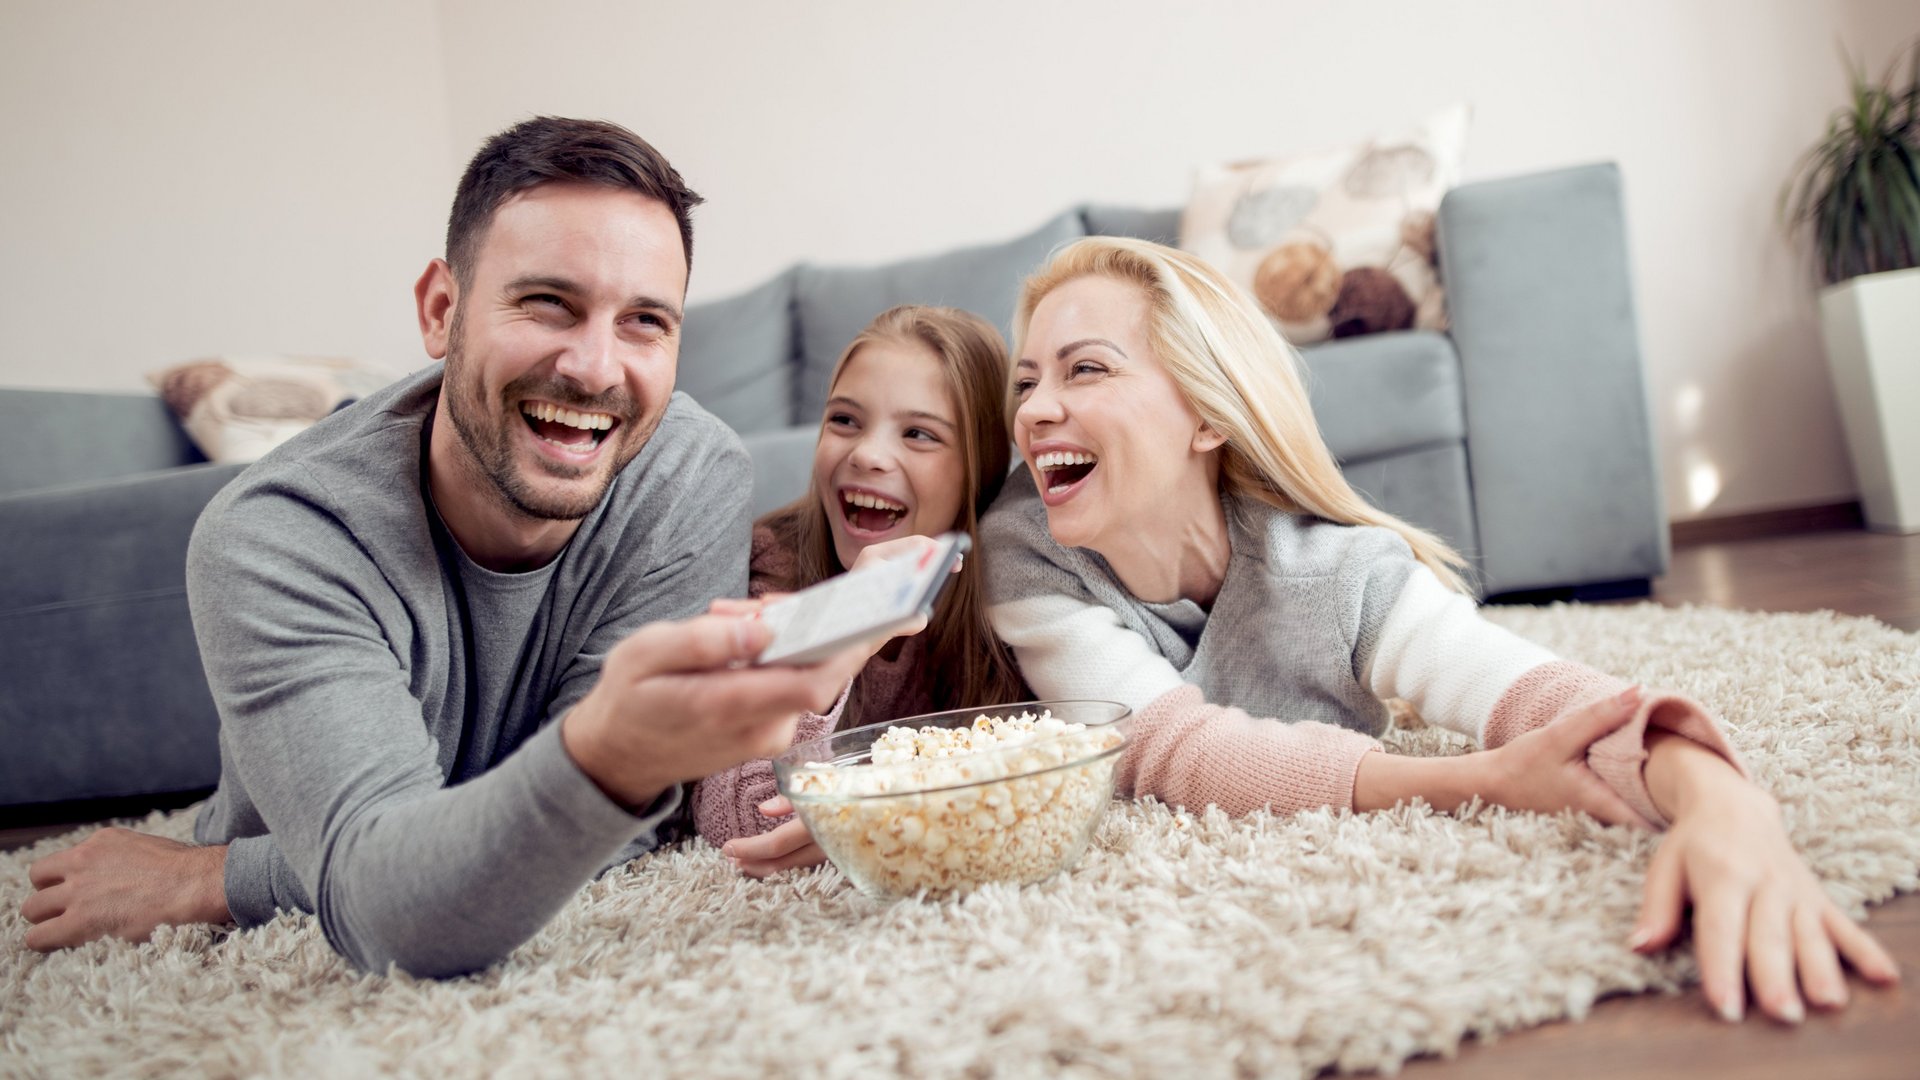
x=436 y=624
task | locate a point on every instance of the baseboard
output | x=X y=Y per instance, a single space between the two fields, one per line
x=1597 y=592
x=1794 y=519
x=81 y=811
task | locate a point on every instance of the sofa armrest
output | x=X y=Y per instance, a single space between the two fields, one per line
x=1566 y=488
x=782 y=464
x=105 y=693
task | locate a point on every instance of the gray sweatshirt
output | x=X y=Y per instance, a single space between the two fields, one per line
x=389 y=759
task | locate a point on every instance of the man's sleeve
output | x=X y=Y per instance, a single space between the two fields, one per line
x=259 y=883
x=332 y=748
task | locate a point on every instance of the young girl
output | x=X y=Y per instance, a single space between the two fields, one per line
x=1182 y=539
x=913 y=444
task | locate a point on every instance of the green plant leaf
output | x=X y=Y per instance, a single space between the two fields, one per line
x=1856 y=191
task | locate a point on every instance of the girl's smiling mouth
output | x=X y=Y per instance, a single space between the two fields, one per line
x=869 y=514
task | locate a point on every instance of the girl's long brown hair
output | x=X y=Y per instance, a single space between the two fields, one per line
x=967 y=665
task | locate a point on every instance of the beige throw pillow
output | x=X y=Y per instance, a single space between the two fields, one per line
x=1336 y=243
x=235 y=409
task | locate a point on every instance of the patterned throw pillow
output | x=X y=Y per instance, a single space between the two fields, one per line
x=1336 y=243
x=236 y=409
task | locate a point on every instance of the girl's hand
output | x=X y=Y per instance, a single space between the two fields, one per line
x=1756 y=904
x=904 y=547
x=1546 y=769
x=729 y=606
x=899 y=548
x=751 y=609
x=785 y=847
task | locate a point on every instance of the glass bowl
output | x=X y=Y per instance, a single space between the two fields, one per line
x=1016 y=813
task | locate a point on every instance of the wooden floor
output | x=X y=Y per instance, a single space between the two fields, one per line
x=1853 y=572
x=1878 y=1035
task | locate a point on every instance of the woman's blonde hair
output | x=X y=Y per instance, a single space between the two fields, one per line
x=1242 y=378
x=968 y=666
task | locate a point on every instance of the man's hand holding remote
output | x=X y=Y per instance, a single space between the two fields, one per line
x=677 y=701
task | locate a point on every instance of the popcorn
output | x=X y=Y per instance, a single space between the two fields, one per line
x=1006 y=799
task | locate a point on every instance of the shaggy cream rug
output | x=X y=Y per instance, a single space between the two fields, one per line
x=1183 y=944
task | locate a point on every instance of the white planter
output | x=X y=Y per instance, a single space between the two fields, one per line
x=1871 y=326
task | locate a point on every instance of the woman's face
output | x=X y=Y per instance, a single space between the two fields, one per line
x=1101 y=424
x=889 y=461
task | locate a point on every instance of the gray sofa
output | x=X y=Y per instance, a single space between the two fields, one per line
x=1522 y=435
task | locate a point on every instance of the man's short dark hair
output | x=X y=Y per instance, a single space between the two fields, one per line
x=555 y=149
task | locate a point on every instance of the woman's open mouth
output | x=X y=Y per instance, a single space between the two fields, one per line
x=577 y=434
x=869 y=514
x=1062 y=472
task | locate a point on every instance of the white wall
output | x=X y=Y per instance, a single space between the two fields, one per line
x=865 y=130
x=198 y=178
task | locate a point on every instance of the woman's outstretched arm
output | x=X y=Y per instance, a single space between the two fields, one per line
x=1461 y=672
x=1189 y=752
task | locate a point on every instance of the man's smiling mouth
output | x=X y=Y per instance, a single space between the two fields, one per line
x=569 y=429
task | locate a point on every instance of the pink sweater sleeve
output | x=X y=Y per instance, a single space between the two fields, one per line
x=726 y=805
x=1553 y=690
x=1186 y=752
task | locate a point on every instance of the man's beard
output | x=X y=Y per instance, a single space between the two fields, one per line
x=486 y=430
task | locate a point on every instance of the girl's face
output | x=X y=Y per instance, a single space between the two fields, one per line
x=1101 y=424
x=889 y=461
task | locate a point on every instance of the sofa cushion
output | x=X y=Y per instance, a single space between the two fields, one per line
x=1428 y=487
x=55 y=437
x=1335 y=243
x=1386 y=393
x=105 y=695
x=736 y=356
x=1159 y=226
x=835 y=303
x=237 y=408
x=782 y=465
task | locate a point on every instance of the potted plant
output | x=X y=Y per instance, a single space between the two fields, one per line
x=1858 y=193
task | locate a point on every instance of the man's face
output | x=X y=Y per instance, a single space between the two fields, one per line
x=561 y=353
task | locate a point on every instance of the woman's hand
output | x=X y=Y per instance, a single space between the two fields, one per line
x=1546 y=769
x=784 y=847
x=1757 y=907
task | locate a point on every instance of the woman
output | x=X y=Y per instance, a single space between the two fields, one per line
x=913 y=444
x=1182 y=539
